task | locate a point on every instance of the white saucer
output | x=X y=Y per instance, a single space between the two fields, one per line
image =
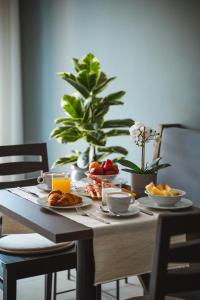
x=148 y=202
x=43 y=187
x=132 y=211
x=43 y=201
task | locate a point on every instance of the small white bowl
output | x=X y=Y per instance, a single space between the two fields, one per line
x=166 y=200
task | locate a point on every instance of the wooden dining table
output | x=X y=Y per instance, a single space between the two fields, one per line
x=57 y=229
x=61 y=228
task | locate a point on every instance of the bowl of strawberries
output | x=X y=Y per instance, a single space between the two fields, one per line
x=103 y=170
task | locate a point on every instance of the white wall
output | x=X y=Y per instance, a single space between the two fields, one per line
x=153 y=47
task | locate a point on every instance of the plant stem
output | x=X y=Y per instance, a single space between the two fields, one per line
x=94 y=149
x=143 y=152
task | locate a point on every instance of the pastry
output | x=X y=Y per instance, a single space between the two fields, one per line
x=57 y=198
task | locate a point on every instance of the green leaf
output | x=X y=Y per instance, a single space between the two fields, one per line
x=101 y=111
x=113 y=99
x=118 y=123
x=96 y=138
x=66 y=134
x=99 y=88
x=153 y=164
x=76 y=64
x=89 y=62
x=87 y=117
x=117 y=159
x=72 y=105
x=130 y=171
x=113 y=149
x=68 y=121
x=83 y=160
x=66 y=159
x=71 y=79
x=162 y=166
x=130 y=165
x=117 y=132
x=88 y=79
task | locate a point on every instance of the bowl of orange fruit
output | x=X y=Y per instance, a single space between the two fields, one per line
x=103 y=170
x=163 y=194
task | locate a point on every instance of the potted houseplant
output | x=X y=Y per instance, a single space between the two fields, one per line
x=85 y=116
x=147 y=172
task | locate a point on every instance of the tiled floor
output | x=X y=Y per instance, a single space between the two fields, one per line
x=32 y=289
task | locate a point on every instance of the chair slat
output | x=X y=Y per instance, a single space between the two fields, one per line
x=20 y=167
x=23 y=167
x=181 y=252
x=24 y=149
x=182 y=281
x=172 y=227
x=12 y=184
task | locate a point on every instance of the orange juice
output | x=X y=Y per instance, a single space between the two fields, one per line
x=61 y=183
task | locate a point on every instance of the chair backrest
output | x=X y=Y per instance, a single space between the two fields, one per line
x=166 y=281
x=180 y=147
x=15 y=167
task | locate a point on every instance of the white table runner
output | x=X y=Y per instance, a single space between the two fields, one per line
x=121 y=248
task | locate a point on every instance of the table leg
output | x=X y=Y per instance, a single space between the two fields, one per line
x=85 y=289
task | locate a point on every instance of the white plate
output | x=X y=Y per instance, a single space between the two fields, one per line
x=183 y=203
x=43 y=187
x=43 y=202
x=132 y=211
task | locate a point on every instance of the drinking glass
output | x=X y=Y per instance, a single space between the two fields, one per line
x=105 y=190
x=61 y=181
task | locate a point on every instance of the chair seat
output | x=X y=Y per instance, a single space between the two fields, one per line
x=146 y=298
x=30 y=243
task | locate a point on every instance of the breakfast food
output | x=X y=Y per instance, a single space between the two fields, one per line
x=104 y=168
x=161 y=190
x=57 y=198
x=94 y=189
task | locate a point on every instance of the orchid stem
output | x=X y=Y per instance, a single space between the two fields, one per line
x=143 y=152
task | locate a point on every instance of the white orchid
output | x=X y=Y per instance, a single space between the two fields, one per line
x=142 y=134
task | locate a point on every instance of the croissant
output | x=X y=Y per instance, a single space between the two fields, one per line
x=57 y=198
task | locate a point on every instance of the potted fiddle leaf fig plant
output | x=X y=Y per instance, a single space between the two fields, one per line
x=85 y=115
x=147 y=172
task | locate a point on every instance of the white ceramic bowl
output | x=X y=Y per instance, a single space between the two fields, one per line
x=167 y=200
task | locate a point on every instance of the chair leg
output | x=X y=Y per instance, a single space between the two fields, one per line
x=9 y=286
x=54 y=286
x=69 y=274
x=98 y=292
x=48 y=286
x=117 y=290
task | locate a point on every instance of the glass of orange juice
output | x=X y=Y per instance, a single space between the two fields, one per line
x=61 y=181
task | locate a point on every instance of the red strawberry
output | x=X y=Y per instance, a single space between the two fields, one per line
x=99 y=171
x=115 y=170
x=108 y=165
x=108 y=172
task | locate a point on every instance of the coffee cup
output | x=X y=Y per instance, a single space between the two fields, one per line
x=118 y=202
x=105 y=191
x=46 y=178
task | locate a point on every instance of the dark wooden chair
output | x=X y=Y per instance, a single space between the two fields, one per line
x=182 y=282
x=24 y=166
x=14 y=267
x=178 y=146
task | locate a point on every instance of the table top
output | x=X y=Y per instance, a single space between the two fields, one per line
x=44 y=221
